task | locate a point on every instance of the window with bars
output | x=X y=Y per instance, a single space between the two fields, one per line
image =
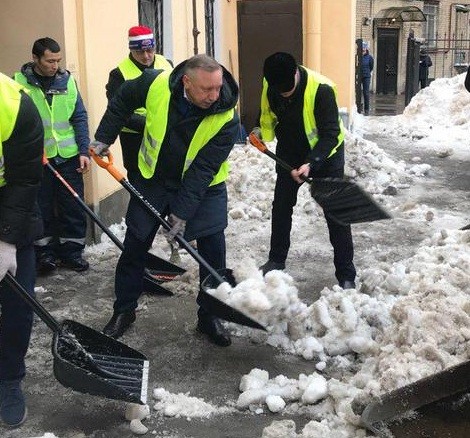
x=430 y=11
x=151 y=15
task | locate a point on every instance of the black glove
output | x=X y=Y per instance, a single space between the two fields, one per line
x=177 y=227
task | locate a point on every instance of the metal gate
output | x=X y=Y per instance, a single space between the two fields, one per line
x=387 y=60
x=412 y=68
x=449 y=57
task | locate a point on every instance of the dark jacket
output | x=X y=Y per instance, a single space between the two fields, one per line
x=185 y=197
x=424 y=64
x=135 y=122
x=20 y=221
x=467 y=79
x=79 y=119
x=130 y=141
x=292 y=143
x=367 y=65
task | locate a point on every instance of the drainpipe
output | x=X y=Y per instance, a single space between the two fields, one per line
x=195 y=29
x=312 y=23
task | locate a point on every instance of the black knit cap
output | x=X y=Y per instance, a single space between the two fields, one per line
x=279 y=70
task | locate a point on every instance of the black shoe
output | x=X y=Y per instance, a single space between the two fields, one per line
x=270 y=265
x=213 y=328
x=46 y=264
x=78 y=264
x=118 y=324
x=347 y=284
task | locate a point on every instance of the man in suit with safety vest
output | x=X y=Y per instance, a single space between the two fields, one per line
x=191 y=127
x=21 y=149
x=66 y=139
x=141 y=56
x=299 y=108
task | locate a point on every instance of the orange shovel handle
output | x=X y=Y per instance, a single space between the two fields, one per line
x=257 y=143
x=108 y=165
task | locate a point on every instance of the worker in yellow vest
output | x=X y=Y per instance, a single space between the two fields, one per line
x=142 y=55
x=191 y=127
x=21 y=148
x=66 y=139
x=299 y=108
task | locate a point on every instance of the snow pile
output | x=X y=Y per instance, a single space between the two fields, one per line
x=182 y=405
x=433 y=112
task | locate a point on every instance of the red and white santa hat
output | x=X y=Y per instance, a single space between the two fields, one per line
x=141 y=38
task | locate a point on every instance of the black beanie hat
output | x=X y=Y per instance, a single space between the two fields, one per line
x=279 y=70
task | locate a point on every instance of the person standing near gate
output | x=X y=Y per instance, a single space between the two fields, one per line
x=366 y=74
x=66 y=139
x=21 y=150
x=299 y=108
x=191 y=127
x=141 y=56
x=424 y=64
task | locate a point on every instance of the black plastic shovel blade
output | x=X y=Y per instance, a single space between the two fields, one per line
x=152 y=286
x=129 y=367
x=157 y=265
x=413 y=407
x=346 y=202
x=219 y=308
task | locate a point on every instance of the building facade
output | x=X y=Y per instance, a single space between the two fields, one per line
x=442 y=27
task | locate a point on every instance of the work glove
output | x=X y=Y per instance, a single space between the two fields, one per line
x=256 y=131
x=7 y=259
x=99 y=148
x=177 y=227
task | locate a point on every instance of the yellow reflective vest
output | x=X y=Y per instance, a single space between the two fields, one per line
x=268 y=119
x=59 y=135
x=157 y=104
x=130 y=71
x=10 y=98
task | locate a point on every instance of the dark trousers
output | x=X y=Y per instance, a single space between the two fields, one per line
x=131 y=265
x=285 y=198
x=64 y=220
x=16 y=319
x=366 y=94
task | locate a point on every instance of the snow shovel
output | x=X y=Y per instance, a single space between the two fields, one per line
x=89 y=361
x=157 y=270
x=344 y=201
x=435 y=391
x=211 y=303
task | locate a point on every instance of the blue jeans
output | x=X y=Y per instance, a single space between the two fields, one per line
x=16 y=318
x=64 y=220
x=365 y=93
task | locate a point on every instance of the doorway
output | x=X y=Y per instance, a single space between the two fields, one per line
x=387 y=60
x=264 y=27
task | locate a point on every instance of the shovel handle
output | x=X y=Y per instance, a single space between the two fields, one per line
x=154 y=212
x=108 y=165
x=33 y=303
x=261 y=146
x=257 y=142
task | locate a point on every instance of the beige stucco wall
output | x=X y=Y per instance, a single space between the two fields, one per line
x=23 y=22
x=101 y=45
